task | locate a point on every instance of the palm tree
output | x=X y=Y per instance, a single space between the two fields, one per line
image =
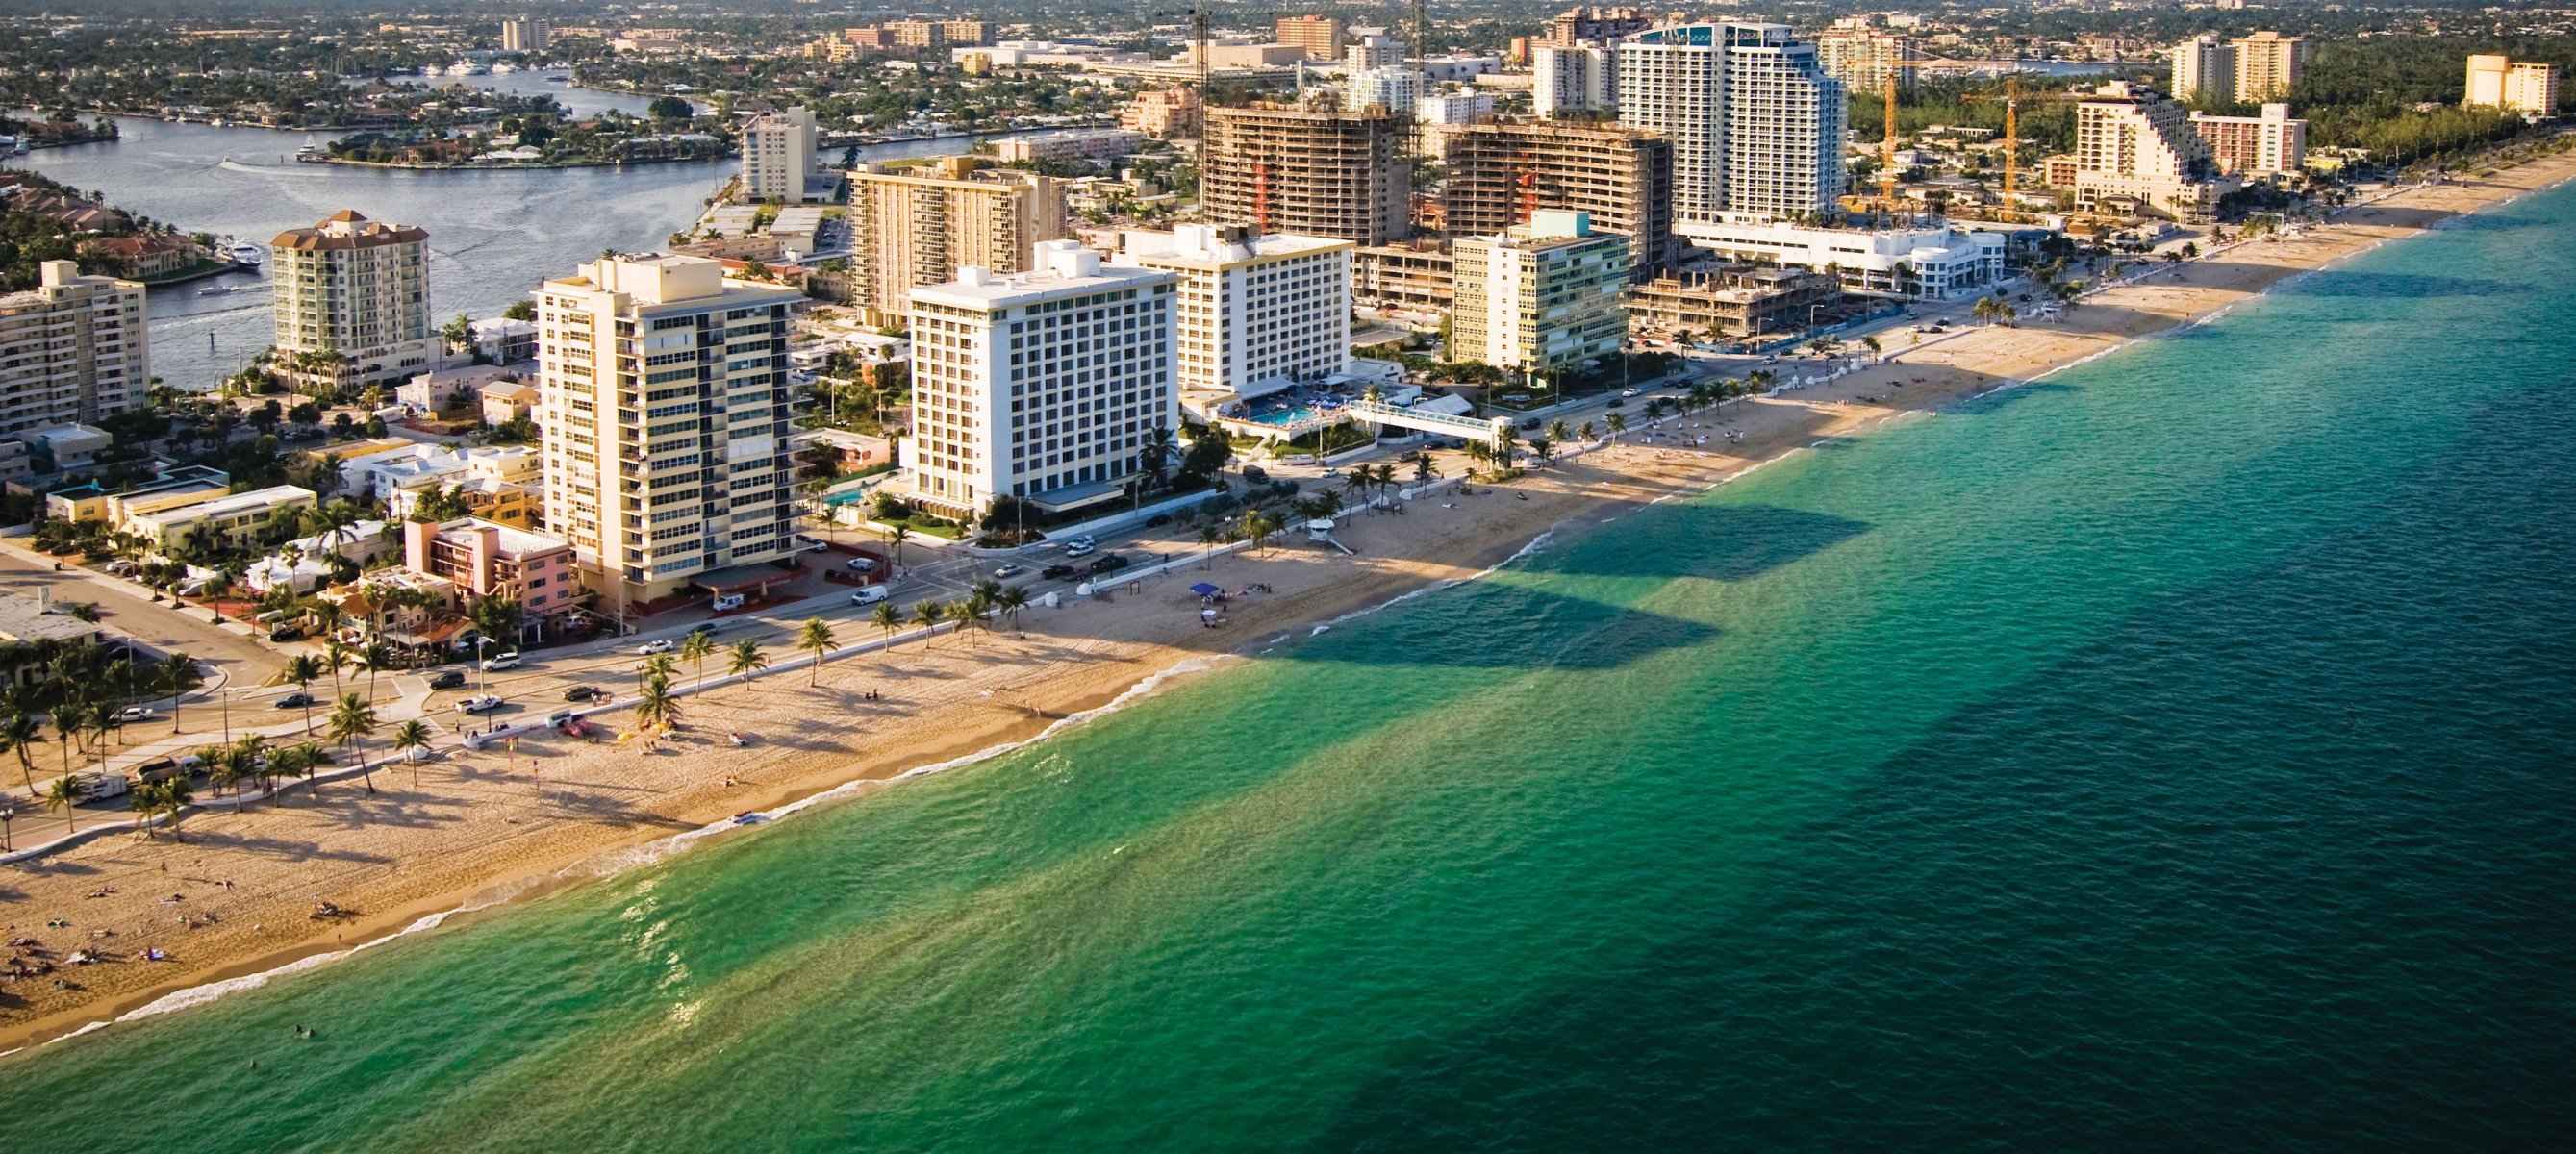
x=304 y=669
x=1012 y=601
x=661 y=665
x=19 y=731
x=1618 y=424
x=698 y=647
x=1542 y=447
x=655 y=707
x=888 y=618
x=226 y=769
x=970 y=612
x=928 y=615
x=816 y=638
x=288 y=762
x=1505 y=442
x=901 y=534
x=62 y=797
x=1258 y=526
x=1559 y=432
x=1208 y=536
x=178 y=674
x=1985 y=309
x=351 y=721
x=409 y=736
x=376 y=658
x=1156 y=455
x=335 y=656
x=747 y=659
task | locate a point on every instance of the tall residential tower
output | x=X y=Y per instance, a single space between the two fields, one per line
x=1756 y=124
x=354 y=292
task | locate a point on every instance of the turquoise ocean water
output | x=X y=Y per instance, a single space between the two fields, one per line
x=2177 y=752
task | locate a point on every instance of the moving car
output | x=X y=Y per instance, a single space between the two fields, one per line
x=294 y=701
x=134 y=713
x=504 y=661
x=481 y=703
x=447 y=679
x=1080 y=549
x=1057 y=572
x=1108 y=563
x=703 y=627
x=583 y=693
x=1002 y=571
x=650 y=648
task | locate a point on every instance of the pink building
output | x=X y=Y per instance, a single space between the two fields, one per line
x=484 y=559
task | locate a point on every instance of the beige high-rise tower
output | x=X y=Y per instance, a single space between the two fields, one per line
x=920 y=226
x=2267 y=65
x=71 y=349
x=2204 y=68
x=356 y=290
x=663 y=397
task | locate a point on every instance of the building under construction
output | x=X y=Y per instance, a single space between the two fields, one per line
x=1740 y=302
x=1307 y=170
x=1499 y=174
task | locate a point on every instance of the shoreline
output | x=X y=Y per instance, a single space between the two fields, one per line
x=419 y=858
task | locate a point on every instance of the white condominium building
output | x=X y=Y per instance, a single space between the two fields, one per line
x=357 y=288
x=2139 y=152
x=2204 y=68
x=2268 y=65
x=1395 y=89
x=1756 y=124
x=922 y=226
x=72 y=349
x=1256 y=313
x=2529 y=87
x=1374 y=52
x=1543 y=295
x=1582 y=78
x=665 y=408
x=525 y=34
x=1930 y=263
x=778 y=156
x=2265 y=145
x=1042 y=386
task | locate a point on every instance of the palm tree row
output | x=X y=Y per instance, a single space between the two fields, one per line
x=84 y=695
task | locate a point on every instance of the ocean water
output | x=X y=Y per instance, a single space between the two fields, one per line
x=2173 y=753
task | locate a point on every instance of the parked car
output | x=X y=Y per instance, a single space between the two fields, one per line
x=294 y=701
x=650 y=648
x=447 y=679
x=861 y=565
x=1006 y=571
x=504 y=661
x=481 y=703
x=811 y=544
x=868 y=595
x=285 y=633
x=134 y=713
x=1057 y=572
x=1108 y=563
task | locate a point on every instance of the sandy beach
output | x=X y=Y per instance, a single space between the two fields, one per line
x=231 y=893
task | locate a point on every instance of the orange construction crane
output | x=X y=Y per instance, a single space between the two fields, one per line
x=1887 y=149
x=2012 y=99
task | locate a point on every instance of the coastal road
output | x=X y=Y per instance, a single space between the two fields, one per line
x=124 y=609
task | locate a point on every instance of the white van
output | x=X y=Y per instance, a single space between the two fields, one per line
x=728 y=601
x=868 y=595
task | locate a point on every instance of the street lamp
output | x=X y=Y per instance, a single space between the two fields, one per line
x=7 y=814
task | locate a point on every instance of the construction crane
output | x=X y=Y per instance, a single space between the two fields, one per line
x=1887 y=148
x=2012 y=99
x=1197 y=15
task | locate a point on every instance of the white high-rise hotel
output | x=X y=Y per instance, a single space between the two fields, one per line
x=1043 y=385
x=663 y=399
x=1256 y=313
x=1756 y=124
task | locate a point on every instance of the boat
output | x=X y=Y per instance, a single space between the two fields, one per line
x=245 y=253
x=504 y=68
x=210 y=290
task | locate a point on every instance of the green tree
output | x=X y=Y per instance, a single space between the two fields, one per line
x=410 y=736
x=20 y=731
x=655 y=707
x=177 y=674
x=928 y=615
x=304 y=669
x=63 y=797
x=887 y=618
x=747 y=659
x=351 y=721
x=698 y=647
x=816 y=638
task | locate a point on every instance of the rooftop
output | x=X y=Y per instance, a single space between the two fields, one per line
x=1065 y=268
x=23 y=618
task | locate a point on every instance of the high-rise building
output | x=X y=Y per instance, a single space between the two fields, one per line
x=1756 y=125
x=72 y=349
x=2268 y=65
x=1575 y=78
x=1862 y=55
x=922 y=226
x=965 y=33
x=2138 y=151
x=917 y=33
x=2204 y=67
x=1396 y=90
x=1042 y=385
x=1308 y=171
x=664 y=399
x=1162 y=112
x=1255 y=313
x=525 y=34
x=355 y=288
x=2526 y=86
x=2265 y=145
x=1543 y=295
x=1501 y=175
x=778 y=156
x=1455 y=108
x=1319 y=36
x=1374 y=51
x=1593 y=25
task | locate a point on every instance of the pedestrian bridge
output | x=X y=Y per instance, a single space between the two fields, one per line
x=1486 y=429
